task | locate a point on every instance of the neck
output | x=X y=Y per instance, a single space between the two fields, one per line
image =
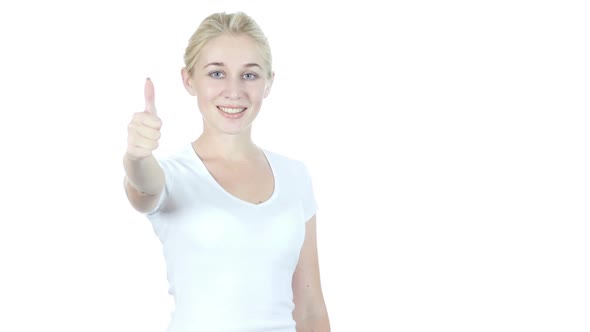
x=223 y=146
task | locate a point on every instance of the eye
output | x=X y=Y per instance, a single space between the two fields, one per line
x=250 y=76
x=216 y=74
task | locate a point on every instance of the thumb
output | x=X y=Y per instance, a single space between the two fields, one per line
x=150 y=105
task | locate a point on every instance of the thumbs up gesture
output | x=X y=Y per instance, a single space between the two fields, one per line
x=144 y=128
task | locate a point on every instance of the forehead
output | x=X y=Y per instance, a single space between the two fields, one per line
x=231 y=50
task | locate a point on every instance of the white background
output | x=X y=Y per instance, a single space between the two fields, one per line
x=447 y=140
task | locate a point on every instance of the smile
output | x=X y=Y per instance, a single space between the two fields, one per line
x=231 y=110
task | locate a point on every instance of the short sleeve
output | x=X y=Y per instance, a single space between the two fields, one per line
x=164 y=164
x=161 y=201
x=309 y=202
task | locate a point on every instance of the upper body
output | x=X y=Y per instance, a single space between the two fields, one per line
x=237 y=223
x=230 y=261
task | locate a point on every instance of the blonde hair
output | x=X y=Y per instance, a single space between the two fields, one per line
x=221 y=23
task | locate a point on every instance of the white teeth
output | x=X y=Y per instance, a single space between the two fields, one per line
x=231 y=110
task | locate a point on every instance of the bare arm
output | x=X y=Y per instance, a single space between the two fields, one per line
x=144 y=179
x=144 y=182
x=314 y=324
x=310 y=311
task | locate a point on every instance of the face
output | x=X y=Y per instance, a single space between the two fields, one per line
x=230 y=83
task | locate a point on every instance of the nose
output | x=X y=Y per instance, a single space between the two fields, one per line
x=233 y=88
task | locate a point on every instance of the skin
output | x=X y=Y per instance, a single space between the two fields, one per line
x=223 y=76
x=229 y=73
x=310 y=312
x=144 y=179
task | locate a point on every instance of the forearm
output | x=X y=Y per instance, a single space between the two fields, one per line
x=314 y=324
x=144 y=175
x=144 y=183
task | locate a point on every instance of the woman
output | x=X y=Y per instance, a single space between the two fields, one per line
x=237 y=222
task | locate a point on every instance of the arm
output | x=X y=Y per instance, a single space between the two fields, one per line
x=144 y=178
x=144 y=182
x=310 y=312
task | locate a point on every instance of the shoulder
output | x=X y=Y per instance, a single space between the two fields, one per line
x=287 y=164
x=175 y=166
x=183 y=155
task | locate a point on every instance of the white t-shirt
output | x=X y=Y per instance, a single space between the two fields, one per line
x=229 y=262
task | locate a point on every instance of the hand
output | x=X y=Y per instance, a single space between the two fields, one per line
x=144 y=128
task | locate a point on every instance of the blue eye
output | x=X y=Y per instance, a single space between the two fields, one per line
x=250 y=76
x=216 y=74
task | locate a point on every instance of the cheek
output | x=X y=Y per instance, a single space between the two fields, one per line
x=208 y=91
x=256 y=94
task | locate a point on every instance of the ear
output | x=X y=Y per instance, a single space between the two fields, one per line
x=187 y=81
x=269 y=85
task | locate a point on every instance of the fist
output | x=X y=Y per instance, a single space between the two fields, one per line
x=143 y=132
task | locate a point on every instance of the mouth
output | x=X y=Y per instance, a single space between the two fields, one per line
x=231 y=110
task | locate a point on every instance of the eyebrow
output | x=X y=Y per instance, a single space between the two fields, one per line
x=221 y=64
